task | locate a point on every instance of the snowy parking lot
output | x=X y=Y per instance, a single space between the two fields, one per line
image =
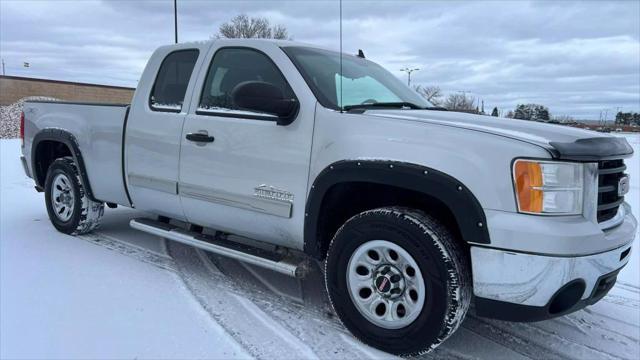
x=119 y=293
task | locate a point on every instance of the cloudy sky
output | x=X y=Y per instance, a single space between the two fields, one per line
x=578 y=58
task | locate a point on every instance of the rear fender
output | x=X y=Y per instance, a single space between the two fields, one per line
x=66 y=138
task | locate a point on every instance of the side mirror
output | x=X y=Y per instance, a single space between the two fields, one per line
x=266 y=98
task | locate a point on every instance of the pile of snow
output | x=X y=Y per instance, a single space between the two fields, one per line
x=10 y=117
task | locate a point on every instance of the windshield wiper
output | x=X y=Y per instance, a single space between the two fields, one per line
x=391 y=105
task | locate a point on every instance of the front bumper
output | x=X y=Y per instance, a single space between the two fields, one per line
x=521 y=286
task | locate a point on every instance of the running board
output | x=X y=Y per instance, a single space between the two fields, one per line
x=284 y=264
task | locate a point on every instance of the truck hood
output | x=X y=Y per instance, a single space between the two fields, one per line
x=563 y=142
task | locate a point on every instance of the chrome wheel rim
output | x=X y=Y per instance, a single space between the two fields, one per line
x=385 y=284
x=62 y=197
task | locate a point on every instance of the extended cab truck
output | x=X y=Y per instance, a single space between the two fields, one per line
x=415 y=211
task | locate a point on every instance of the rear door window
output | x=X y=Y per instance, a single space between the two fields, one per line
x=172 y=80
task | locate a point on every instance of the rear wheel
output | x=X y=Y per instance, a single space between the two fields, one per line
x=70 y=209
x=398 y=280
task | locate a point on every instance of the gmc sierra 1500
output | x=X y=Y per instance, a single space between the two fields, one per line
x=415 y=211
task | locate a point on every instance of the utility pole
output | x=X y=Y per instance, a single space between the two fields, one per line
x=409 y=71
x=175 y=19
x=600 y=118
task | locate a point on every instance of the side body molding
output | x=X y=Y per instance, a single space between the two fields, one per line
x=65 y=137
x=456 y=196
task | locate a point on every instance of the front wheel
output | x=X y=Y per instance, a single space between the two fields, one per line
x=70 y=209
x=398 y=280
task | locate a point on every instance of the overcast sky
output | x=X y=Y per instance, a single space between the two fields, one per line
x=577 y=58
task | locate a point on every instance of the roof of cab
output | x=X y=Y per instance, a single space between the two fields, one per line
x=242 y=42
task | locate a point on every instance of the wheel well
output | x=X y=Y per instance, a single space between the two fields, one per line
x=46 y=152
x=344 y=200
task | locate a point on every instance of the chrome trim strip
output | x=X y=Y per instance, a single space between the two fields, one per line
x=148 y=182
x=281 y=208
x=590 y=197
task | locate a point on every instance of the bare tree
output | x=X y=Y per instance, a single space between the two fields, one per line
x=460 y=102
x=432 y=93
x=245 y=27
x=280 y=32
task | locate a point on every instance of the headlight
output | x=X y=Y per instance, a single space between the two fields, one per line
x=551 y=188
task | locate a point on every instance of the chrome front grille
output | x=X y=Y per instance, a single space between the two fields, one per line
x=609 y=174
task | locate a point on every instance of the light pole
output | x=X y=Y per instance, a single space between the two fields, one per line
x=409 y=71
x=175 y=19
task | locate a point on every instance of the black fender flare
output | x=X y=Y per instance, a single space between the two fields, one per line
x=65 y=137
x=454 y=194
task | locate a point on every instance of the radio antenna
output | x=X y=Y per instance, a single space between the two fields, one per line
x=341 y=104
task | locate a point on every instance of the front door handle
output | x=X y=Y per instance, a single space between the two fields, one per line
x=200 y=137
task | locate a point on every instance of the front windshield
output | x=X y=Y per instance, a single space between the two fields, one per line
x=363 y=82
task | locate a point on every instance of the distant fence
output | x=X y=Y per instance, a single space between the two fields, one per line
x=14 y=88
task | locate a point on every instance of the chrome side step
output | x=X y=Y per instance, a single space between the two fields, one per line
x=284 y=264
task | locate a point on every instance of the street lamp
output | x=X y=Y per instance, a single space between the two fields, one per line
x=409 y=71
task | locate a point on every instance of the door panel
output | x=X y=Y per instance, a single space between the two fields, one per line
x=252 y=179
x=154 y=130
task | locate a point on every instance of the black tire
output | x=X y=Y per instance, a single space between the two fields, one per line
x=86 y=214
x=438 y=255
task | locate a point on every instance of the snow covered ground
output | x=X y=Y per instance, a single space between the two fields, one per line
x=120 y=293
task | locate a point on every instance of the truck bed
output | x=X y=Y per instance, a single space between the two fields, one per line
x=98 y=131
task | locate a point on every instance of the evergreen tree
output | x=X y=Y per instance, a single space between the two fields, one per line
x=619 y=117
x=541 y=113
x=521 y=113
x=495 y=112
x=534 y=112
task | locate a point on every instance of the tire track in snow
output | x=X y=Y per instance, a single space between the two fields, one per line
x=597 y=313
x=275 y=328
x=131 y=250
x=201 y=277
x=222 y=304
x=324 y=336
x=510 y=339
x=550 y=341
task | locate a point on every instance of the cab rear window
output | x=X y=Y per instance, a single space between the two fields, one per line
x=172 y=80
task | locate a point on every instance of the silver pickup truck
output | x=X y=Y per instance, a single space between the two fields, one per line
x=279 y=153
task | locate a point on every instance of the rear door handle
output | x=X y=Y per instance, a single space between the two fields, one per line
x=200 y=137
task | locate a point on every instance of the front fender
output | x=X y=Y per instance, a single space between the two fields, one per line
x=481 y=161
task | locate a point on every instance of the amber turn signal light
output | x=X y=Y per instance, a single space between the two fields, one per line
x=528 y=180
